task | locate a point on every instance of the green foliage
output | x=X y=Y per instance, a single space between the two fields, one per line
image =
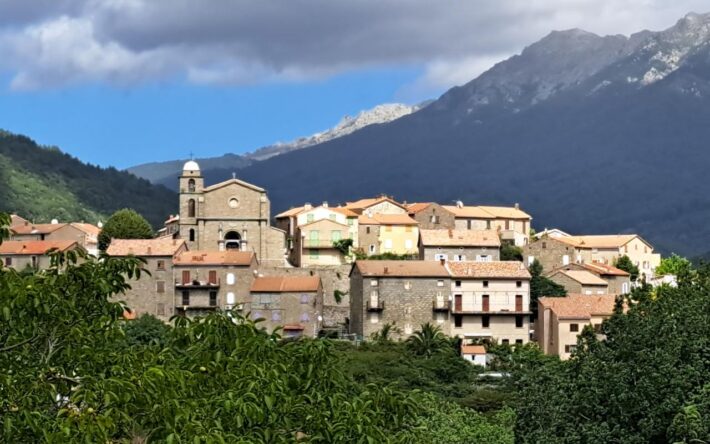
x=540 y=286
x=509 y=252
x=624 y=263
x=338 y=295
x=124 y=224
x=42 y=183
x=675 y=265
x=427 y=341
x=361 y=256
x=646 y=383
x=385 y=333
x=146 y=330
x=4 y=226
x=343 y=246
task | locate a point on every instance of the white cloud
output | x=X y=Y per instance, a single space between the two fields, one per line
x=51 y=44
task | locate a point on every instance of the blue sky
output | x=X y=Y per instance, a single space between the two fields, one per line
x=124 y=82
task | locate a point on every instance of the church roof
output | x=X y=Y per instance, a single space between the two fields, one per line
x=233 y=181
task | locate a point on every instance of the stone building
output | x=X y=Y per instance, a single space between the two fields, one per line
x=561 y=320
x=86 y=235
x=22 y=254
x=207 y=280
x=512 y=223
x=231 y=215
x=153 y=294
x=579 y=281
x=431 y=216
x=491 y=300
x=294 y=303
x=406 y=293
x=618 y=281
x=376 y=205
x=459 y=245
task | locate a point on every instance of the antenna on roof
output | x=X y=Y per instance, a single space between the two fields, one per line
x=234 y=175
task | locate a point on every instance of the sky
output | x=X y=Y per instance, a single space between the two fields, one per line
x=124 y=82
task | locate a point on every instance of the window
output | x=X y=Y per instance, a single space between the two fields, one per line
x=440 y=283
x=192 y=235
x=518 y=284
x=160 y=309
x=231 y=279
x=388 y=228
x=574 y=327
x=408 y=229
x=485 y=284
x=374 y=317
x=191 y=208
x=486 y=302
x=544 y=245
x=625 y=287
x=191 y=186
x=367 y=230
x=372 y=249
x=350 y=221
x=212 y=277
x=185 y=297
x=160 y=286
x=458 y=321
x=531 y=259
x=8 y=261
x=570 y=348
x=276 y=315
x=457 y=284
x=230 y=298
x=305 y=317
x=335 y=235
x=233 y=202
x=518 y=321
x=34 y=261
x=373 y=282
x=439 y=256
x=565 y=259
x=388 y=244
x=597 y=328
x=488 y=225
x=518 y=342
x=213 y=298
x=483 y=258
x=407 y=285
x=485 y=321
x=304 y=299
x=161 y=265
x=587 y=291
x=309 y=218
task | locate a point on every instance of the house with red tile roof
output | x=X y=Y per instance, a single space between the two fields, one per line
x=21 y=254
x=292 y=303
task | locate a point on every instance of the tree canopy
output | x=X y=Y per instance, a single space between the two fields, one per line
x=624 y=263
x=675 y=265
x=541 y=286
x=124 y=224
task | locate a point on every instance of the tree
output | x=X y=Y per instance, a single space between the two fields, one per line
x=540 y=286
x=427 y=341
x=385 y=333
x=124 y=224
x=343 y=246
x=675 y=265
x=509 y=252
x=624 y=263
x=146 y=330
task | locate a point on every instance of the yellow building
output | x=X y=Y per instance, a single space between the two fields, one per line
x=388 y=233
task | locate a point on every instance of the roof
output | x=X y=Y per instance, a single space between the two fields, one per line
x=172 y=219
x=298 y=210
x=417 y=207
x=17 y=220
x=346 y=211
x=473 y=350
x=386 y=219
x=551 y=232
x=191 y=165
x=291 y=212
x=604 y=269
x=90 y=229
x=460 y=238
x=285 y=284
x=395 y=268
x=233 y=182
x=493 y=269
x=583 y=277
x=228 y=257
x=162 y=246
x=35 y=247
x=487 y=212
x=363 y=204
x=36 y=228
x=579 y=306
x=598 y=241
x=325 y=221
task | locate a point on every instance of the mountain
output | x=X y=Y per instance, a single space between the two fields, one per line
x=590 y=134
x=42 y=183
x=165 y=173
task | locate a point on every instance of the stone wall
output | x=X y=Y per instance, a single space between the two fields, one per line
x=470 y=253
x=445 y=218
x=152 y=294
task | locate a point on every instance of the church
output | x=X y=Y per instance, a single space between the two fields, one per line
x=231 y=215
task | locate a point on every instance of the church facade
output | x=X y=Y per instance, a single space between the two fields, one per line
x=231 y=215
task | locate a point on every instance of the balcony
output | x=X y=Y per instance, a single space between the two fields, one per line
x=317 y=243
x=441 y=305
x=478 y=311
x=376 y=306
x=197 y=284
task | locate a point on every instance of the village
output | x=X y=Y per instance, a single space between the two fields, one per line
x=347 y=271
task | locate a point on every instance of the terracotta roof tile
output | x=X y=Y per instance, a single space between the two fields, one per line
x=598 y=241
x=579 y=306
x=604 y=269
x=583 y=277
x=493 y=270
x=290 y=212
x=401 y=268
x=469 y=212
x=414 y=208
x=162 y=246
x=231 y=182
x=35 y=247
x=91 y=230
x=285 y=284
x=347 y=212
x=36 y=228
x=506 y=212
x=228 y=257
x=460 y=238
x=473 y=349
x=386 y=219
x=362 y=204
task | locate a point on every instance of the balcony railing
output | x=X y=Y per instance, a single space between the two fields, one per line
x=317 y=243
x=479 y=311
x=441 y=305
x=197 y=284
x=375 y=305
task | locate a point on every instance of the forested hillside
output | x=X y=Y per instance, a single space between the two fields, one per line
x=43 y=183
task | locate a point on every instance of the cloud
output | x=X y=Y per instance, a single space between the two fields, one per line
x=55 y=43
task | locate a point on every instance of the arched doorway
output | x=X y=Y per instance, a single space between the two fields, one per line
x=232 y=240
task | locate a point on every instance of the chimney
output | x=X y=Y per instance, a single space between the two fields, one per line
x=325 y=204
x=387 y=270
x=517 y=206
x=307 y=206
x=150 y=250
x=55 y=221
x=459 y=204
x=443 y=261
